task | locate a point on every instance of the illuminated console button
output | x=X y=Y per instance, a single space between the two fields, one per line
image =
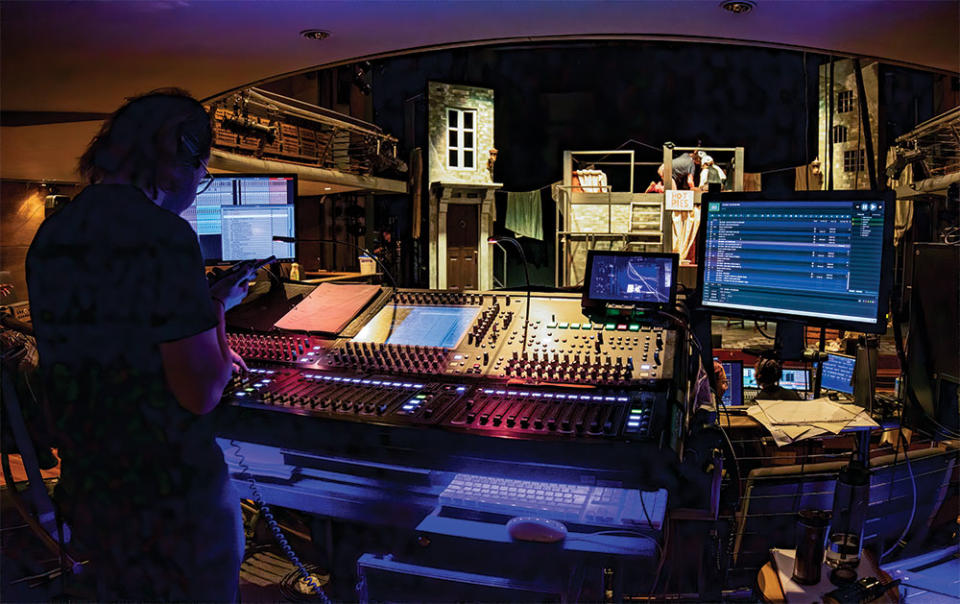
x=622 y=327
x=551 y=325
x=574 y=326
x=610 y=326
x=634 y=327
x=562 y=325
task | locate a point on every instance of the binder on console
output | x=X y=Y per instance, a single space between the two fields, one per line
x=328 y=308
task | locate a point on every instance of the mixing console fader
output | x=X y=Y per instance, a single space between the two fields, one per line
x=278 y=348
x=511 y=412
x=578 y=412
x=458 y=361
x=322 y=394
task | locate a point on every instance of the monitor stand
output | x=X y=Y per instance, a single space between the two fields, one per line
x=788 y=343
x=865 y=372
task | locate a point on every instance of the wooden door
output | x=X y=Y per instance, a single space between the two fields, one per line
x=462 y=239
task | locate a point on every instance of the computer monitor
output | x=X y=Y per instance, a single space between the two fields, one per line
x=837 y=373
x=820 y=258
x=791 y=379
x=644 y=280
x=237 y=217
x=734 y=394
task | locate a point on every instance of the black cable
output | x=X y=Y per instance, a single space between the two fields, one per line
x=904 y=368
x=763 y=333
x=711 y=378
x=900 y=543
x=274 y=527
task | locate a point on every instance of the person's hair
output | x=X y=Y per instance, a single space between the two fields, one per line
x=768 y=372
x=148 y=133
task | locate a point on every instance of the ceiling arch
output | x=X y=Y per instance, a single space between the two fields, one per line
x=86 y=57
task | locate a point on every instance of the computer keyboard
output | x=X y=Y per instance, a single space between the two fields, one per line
x=602 y=506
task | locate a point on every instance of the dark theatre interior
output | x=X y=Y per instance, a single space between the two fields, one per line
x=494 y=302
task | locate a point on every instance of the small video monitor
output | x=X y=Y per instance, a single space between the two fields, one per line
x=795 y=379
x=645 y=280
x=791 y=379
x=837 y=373
x=734 y=394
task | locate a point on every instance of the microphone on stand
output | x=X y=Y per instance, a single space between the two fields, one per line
x=526 y=274
x=362 y=250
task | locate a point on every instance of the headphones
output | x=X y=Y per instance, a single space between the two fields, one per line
x=768 y=371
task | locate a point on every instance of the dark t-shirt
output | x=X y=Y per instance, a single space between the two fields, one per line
x=778 y=393
x=681 y=166
x=111 y=275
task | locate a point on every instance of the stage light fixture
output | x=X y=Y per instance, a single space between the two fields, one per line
x=315 y=34
x=738 y=7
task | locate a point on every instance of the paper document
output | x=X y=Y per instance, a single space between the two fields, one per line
x=806 y=412
x=792 y=421
x=328 y=308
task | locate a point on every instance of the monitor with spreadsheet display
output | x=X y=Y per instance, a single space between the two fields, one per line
x=238 y=215
x=837 y=373
x=820 y=258
x=792 y=378
x=641 y=279
x=734 y=394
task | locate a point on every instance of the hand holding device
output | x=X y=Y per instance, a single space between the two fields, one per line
x=231 y=286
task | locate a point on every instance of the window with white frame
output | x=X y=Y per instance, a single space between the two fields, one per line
x=462 y=138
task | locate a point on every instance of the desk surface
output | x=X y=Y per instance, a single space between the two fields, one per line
x=327 y=276
x=768 y=582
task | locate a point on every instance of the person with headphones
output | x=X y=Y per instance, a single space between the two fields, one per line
x=134 y=357
x=769 y=372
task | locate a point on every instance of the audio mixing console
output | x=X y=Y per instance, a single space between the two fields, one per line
x=458 y=361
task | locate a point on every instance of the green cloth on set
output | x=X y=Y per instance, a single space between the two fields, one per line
x=525 y=214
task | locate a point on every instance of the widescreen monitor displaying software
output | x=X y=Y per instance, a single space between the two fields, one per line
x=237 y=217
x=813 y=260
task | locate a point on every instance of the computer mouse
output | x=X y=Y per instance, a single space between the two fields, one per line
x=542 y=530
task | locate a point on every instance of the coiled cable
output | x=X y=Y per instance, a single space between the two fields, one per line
x=275 y=527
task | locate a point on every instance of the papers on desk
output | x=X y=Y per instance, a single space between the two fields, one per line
x=791 y=421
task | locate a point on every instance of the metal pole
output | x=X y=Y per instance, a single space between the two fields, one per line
x=828 y=137
x=865 y=124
